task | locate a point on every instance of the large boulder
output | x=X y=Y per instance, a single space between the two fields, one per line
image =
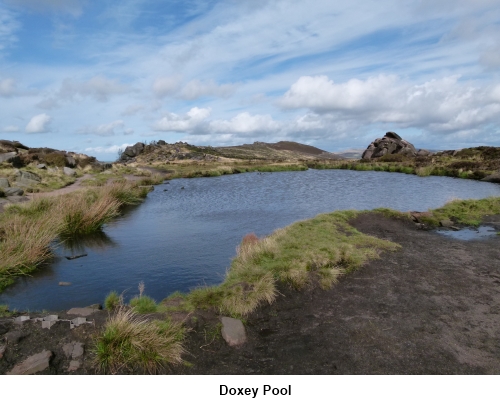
x=133 y=151
x=390 y=143
x=27 y=179
x=69 y=172
x=7 y=157
x=4 y=183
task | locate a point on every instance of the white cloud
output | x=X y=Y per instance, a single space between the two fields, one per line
x=38 y=124
x=102 y=129
x=193 y=121
x=108 y=149
x=10 y=128
x=8 y=26
x=99 y=88
x=442 y=105
x=7 y=87
x=246 y=123
x=132 y=110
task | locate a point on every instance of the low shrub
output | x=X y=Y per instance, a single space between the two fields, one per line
x=55 y=159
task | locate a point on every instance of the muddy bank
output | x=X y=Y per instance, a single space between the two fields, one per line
x=432 y=307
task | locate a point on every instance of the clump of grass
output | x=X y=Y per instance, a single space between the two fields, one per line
x=468 y=212
x=113 y=301
x=132 y=344
x=4 y=311
x=143 y=304
x=126 y=193
x=152 y=180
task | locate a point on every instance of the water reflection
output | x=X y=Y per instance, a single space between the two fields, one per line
x=77 y=245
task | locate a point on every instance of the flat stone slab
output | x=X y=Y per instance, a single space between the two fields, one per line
x=21 y=319
x=74 y=365
x=233 y=331
x=33 y=364
x=82 y=311
x=73 y=350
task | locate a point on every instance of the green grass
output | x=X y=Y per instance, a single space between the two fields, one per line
x=143 y=304
x=318 y=250
x=131 y=343
x=4 y=311
x=467 y=212
x=113 y=301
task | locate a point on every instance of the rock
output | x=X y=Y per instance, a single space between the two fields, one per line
x=15 y=199
x=7 y=157
x=493 y=178
x=69 y=172
x=15 y=336
x=70 y=161
x=64 y=283
x=95 y=306
x=73 y=350
x=446 y=222
x=4 y=326
x=423 y=152
x=133 y=151
x=20 y=319
x=27 y=179
x=391 y=143
x=2 y=350
x=41 y=166
x=4 y=183
x=233 y=331
x=82 y=311
x=13 y=191
x=74 y=365
x=416 y=215
x=33 y=364
x=161 y=142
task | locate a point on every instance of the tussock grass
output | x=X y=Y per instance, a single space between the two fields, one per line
x=131 y=343
x=4 y=311
x=27 y=230
x=113 y=300
x=143 y=304
x=318 y=250
x=468 y=212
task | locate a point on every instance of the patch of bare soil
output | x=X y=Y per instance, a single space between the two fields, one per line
x=432 y=307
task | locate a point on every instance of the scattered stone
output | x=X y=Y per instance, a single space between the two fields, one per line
x=73 y=350
x=2 y=350
x=424 y=152
x=69 y=172
x=51 y=318
x=42 y=166
x=4 y=183
x=74 y=365
x=77 y=322
x=48 y=324
x=4 y=326
x=82 y=311
x=5 y=157
x=95 y=306
x=390 y=143
x=446 y=222
x=15 y=336
x=20 y=319
x=64 y=283
x=13 y=191
x=32 y=364
x=27 y=179
x=15 y=199
x=233 y=331
x=75 y=257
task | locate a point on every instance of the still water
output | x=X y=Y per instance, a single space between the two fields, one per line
x=185 y=233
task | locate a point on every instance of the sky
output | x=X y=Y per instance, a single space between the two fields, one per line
x=95 y=76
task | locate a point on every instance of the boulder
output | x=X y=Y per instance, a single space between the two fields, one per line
x=41 y=166
x=133 y=151
x=70 y=161
x=27 y=179
x=69 y=172
x=390 y=143
x=423 y=152
x=4 y=183
x=13 y=191
x=7 y=157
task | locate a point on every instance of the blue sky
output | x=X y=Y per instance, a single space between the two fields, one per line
x=94 y=76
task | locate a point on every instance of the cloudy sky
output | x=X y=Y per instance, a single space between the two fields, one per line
x=94 y=76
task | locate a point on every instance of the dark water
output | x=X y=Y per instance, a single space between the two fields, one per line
x=183 y=238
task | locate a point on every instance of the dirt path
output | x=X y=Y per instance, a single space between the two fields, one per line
x=77 y=185
x=432 y=307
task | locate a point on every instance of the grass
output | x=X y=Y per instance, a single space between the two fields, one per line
x=315 y=251
x=113 y=301
x=131 y=343
x=143 y=304
x=27 y=230
x=4 y=311
x=51 y=180
x=467 y=212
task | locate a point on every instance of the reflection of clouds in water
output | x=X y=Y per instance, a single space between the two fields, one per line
x=94 y=241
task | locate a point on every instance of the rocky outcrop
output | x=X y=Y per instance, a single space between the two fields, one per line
x=390 y=143
x=493 y=178
x=132 y=151
x=27 y=179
